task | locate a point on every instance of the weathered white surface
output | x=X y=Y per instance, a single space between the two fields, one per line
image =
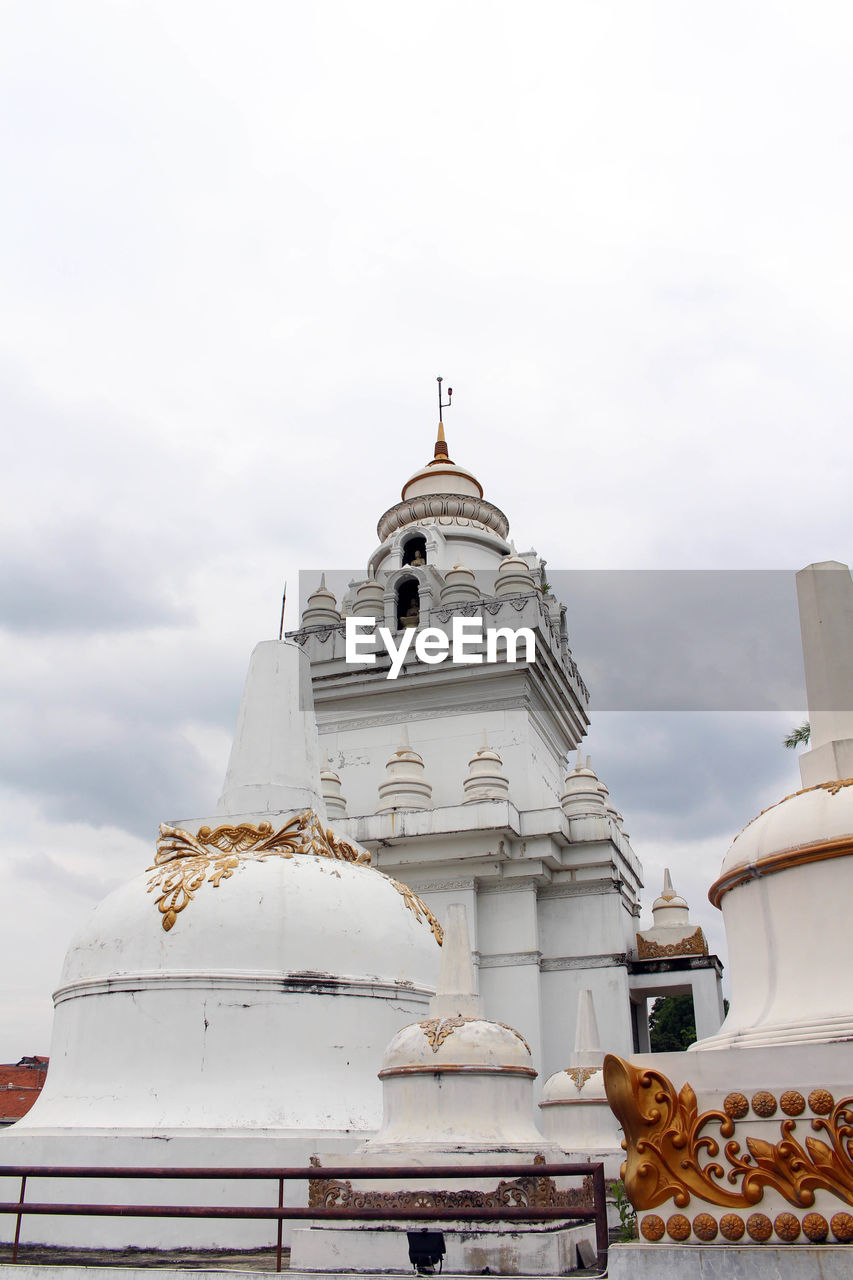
x=734 y=1262
x=534 y=1250
x=309 y=963
x=457 y=985
x=825 y=599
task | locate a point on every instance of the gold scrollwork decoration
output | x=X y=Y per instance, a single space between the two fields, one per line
x=666 y=1139
x=419 y=909
x=185 y=861
x=580 y=1075
x=694 y=945
x=525 y=1192
x=437 y=1030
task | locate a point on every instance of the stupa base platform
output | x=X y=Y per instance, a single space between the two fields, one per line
x=729 y=1262
x=534 y=1250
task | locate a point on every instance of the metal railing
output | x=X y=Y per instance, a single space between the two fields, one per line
x=281 y=1212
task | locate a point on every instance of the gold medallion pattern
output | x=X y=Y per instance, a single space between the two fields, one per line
x=678 y=1227
x=184 y=862
x=815 y=1227
x=759 y=1227
x=667 y=1140
x=705 y=1227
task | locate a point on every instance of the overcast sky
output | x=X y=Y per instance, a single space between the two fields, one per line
x=240 y=241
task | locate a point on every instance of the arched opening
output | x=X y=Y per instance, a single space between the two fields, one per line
x=408 y=603
x=414 y=551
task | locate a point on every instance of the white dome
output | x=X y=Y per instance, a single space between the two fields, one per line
x=300 y=915
x=238 y=990
x=804 y=821
x=784 y=892
x=574 y=1084
x=459 y=1041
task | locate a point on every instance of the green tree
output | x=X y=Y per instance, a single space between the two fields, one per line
x=672 y=1025
x=798 y=737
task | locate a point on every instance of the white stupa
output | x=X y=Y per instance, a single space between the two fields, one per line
x=574 y=1107
x=457 y=1087
x=235 y=996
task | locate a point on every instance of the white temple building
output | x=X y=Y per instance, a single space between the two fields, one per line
x=232 y=1003
x=456 y=777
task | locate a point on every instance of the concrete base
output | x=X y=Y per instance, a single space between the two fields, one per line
x=730 y=1262
x=530 y=1251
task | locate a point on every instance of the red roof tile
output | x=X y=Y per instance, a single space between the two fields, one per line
x=20 y=1085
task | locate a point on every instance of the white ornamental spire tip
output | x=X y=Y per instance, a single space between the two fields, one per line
x=587 y=1038
x=456 y=992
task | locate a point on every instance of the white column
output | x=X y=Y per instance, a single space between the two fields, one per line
x=707 y=1002
x=825 y=600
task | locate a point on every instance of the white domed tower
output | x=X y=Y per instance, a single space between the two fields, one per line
x=552 y=893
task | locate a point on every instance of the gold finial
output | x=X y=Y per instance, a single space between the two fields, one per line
x=441 y=454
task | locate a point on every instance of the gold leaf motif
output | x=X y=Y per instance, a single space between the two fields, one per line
x=580 y=1075
x=184 y=862
x=666 y=1140
x=437 y=1030
x=694 y=945
x=419 y=909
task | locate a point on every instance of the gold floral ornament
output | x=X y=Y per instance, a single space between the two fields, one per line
x=184 y=862
x=694 y=945
x=672 y=1151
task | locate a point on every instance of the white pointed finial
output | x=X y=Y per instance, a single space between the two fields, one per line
x=484 y=746
x=404 y=738
x=668 y=891
x=457 y=986
x=587 y=1040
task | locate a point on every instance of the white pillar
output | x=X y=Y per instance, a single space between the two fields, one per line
x=707 y=1002
x=825 y=600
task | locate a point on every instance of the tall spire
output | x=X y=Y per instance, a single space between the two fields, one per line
x=441 y=454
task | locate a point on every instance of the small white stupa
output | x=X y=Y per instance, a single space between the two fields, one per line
x=330 y=781
x=514 y=576
x=370 y=600
x=673 y=933
x=321 y=609
x=582 y=794
x=460 y=586
x=456 y=1087
x=486 y=779
x=575 y=1111
x=405 y=786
